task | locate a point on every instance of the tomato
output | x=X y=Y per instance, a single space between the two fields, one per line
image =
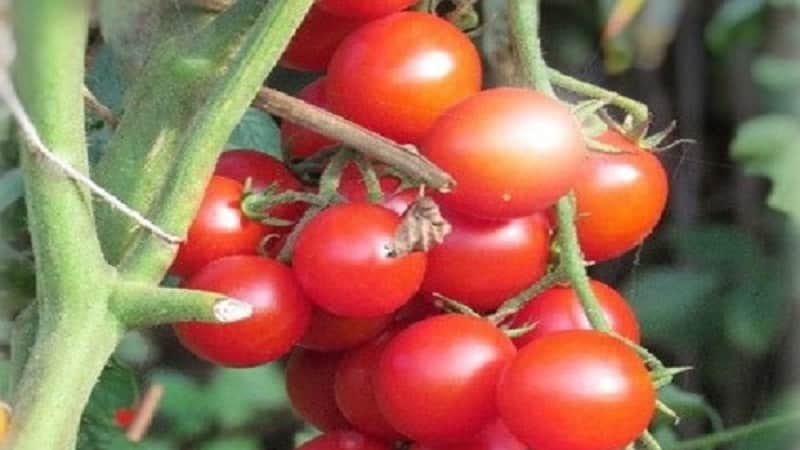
x=352 y=188
x=309 y=383
x=123 y=417
x=436 y=380
x=559 y=309
x=314 y=42
x=328 y=332
x=280 y=312
x=364 y=9
x=580 y=389
x=482 y=263
x=354 y=389
x=620 y=198
x=344 y=440
x=397 y=74
x=495 y=436
x=219 y=229
x=299 y=142
x=343 y=260
x=512 y=152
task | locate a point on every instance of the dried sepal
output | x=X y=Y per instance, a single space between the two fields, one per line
x=422 y=227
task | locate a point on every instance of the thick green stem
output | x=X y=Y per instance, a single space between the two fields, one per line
x=790 y=421
x=524 y=20
x=23 y=336
x=636 y=109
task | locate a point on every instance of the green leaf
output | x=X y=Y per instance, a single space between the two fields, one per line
x=11 y=188
x=184 y=405
x=232 y=443
x=783 y=438
x=104 y=79
x=103 y=435
x=725 y=248
x=734 y=21
x=241 y=396
x=257 y=130
x=689 y=405
x=116 y=389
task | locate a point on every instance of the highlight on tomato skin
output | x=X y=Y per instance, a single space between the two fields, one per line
x=345 y=440
x=309 y=384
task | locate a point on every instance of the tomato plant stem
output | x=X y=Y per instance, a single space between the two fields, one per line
x=512 y=305
x=524 y=22
x=788 y=421
x=636 y=109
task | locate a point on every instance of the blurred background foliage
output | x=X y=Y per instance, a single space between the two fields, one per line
x=715 y=287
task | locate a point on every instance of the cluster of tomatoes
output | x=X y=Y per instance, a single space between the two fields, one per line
x=372 y=361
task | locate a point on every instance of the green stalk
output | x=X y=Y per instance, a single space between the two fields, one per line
x=734 y=434
x=636 y=109
x=524 y=21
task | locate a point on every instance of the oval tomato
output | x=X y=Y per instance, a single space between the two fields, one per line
x=343 y=260
x=619 y=197
x=559 y=309
x=299 y=142
x=436 y=380
x=397 y=74
x=582 y=390
x=219 y=229
x=309 y=383
x=328 y=332
x=364 y=9
x=482 y=263
x=512 y=152
x=495 y=436
x=280 y=312
x=344 y=440
x=314 y=42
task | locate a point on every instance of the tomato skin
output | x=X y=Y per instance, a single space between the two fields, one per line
x=308 y=50
x=123 y=417
x=494 y=436
x=219 y=229
x=397 y=74
x=620 y=198
x=559 y=309
x=482 y=263
x=344 y=440
x=364 y=9
x=512 y=152
x=280 y=312
x=328 y=332
x=342 y=261
x=436 y=380
x=301 y=142
x=580 y=389
x=309 y=383
x=352 y=188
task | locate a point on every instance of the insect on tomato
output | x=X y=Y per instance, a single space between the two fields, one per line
x=309 y=383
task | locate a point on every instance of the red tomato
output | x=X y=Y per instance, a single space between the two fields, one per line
x=482 y=263
x=343 y=260
x=397 y=74
x=559 y=309
x=364 y=9
x=314 y=42
x=124 y=417
x=512 y=152
x=436 y=380
x=344 y=440
x=352 y=188
x=299 y=142
x=219 y=229
x=328 y=332
x=354 y=390
x=495 y=436
x=309 y=383
x=620 y=198
x=280 y=312
x=580 y=389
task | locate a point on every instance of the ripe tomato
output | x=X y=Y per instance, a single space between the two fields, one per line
x=397 y=74
x=328 y=332
x=314 y=42
x=580 y=389
x=352 y=188
x=495 y=436
x=219 y=229
x=620 y=198
x=482 y=263
x=354 y=388
x=436 y=380
x=344 y=440
x=343 y=261
x=299 y=142
x=309 y=383
x=559 y=309
x=364 y=9
x=512 y=152
x=280 y=312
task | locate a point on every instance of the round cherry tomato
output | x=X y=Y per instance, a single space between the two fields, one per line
x=354 y=390
x=482 y=263
x=364 y=9
x=280 y=312
x=124 y=417
x=314 y=42
x=397 y=74
x=299 y=142
x=580 y=389
x=344 y=440
x=309 y=383
x=352 y=188
x=343 y=260
x=620 y=198
x=219 y=229
x=512 y=152
x=328 y=332
x=436 y=380
x=495 y=436
x=559 y=309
